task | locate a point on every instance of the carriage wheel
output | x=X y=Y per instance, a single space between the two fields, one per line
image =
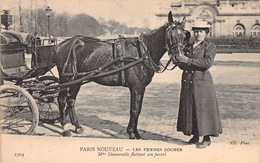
x=47 y=101
x=18 y=111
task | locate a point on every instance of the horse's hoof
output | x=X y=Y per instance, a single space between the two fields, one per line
x=67 y=133
x=132 y=136
x=79 y=130
x=137 y=136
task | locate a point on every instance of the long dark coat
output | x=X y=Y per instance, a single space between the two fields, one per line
x=198 y=108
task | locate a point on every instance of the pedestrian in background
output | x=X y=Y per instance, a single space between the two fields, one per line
x=198 y=107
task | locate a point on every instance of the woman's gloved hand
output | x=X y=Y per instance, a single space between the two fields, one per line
x=182 y=59
x=173 y=59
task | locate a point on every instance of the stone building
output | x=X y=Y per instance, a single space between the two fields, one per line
x=236 y=18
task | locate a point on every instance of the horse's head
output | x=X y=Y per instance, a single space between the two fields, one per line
x=176 y=37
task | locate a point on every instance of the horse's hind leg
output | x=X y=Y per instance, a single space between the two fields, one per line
x=135 y=110
x=71 y=100
x=62 y=98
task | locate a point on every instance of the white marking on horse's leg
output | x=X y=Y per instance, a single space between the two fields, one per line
x=65 y=127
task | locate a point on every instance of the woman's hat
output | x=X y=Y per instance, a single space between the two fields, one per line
x=200 y=25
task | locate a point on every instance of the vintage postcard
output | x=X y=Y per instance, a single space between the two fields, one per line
x=130 y=81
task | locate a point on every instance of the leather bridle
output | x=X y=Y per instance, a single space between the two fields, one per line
x=176 y=47
x=172 y=48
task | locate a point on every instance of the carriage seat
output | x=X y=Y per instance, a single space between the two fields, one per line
x=14 y=65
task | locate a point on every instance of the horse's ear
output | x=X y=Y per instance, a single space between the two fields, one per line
x=170 y=19
x=183 y=21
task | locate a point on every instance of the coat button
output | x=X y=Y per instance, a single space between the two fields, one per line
x=186 y=72
x=184 y=81
x=190 y=81
x=192 y=72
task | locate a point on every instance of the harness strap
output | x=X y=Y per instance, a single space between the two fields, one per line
x=113 y=62
x=138 y=48
x=153 y=66
x=114 y=50
x=122 y=49
x=96 y=73
x=145 y=56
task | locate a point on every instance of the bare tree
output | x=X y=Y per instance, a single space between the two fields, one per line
x=41 y=22
x=61 y=24
x=83 y=24
x=19 y=3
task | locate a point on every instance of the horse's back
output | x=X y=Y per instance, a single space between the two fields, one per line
x=83 y=48
x=106 y=53
x=92 y=54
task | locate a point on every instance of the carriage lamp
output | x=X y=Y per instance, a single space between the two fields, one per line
x=6 y=19
x=48 y=14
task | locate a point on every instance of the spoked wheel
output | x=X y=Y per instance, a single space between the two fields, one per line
x=47 y=100
x=18 y=111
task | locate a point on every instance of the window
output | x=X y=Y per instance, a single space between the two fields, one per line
x=238 y=31
x=255 y=31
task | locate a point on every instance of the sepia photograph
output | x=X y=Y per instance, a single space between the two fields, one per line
x=130 y=81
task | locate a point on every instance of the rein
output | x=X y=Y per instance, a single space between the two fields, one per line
x=161 y=68
x=152 y=65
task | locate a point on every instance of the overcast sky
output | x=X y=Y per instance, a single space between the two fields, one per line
x=131 y=12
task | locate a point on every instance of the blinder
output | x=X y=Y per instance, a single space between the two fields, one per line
x=176 y=40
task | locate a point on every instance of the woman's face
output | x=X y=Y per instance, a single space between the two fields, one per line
x=199 y=34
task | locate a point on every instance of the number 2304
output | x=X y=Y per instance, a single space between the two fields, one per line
x=19 y=154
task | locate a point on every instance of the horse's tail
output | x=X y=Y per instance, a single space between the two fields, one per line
x=55 y=53
x=75 y=45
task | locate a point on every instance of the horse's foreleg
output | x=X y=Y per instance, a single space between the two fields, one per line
x=135 y=109
x=62 y=98
x=73 y=92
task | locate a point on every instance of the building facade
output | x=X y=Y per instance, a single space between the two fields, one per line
x=237 y=18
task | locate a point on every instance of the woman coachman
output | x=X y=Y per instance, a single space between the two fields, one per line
x=198 y=108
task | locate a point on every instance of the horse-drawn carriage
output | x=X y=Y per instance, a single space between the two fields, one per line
x=21 y=106
x=128 y=62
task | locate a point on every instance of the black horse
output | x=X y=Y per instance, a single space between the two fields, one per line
x=84 y=54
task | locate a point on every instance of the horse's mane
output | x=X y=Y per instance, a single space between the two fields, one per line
x=151 y=38
x=153 y=32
